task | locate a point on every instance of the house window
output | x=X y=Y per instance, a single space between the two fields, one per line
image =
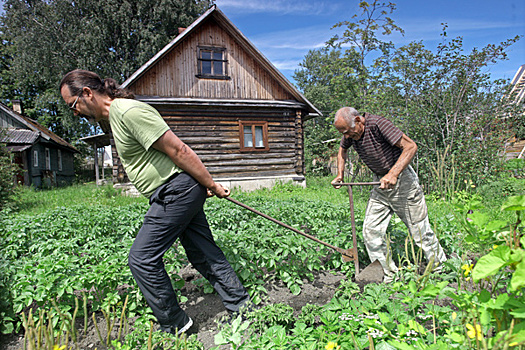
x=48 y=159
x=59 y=160
x=212 y=62
x=253 y=136
x=35 y=158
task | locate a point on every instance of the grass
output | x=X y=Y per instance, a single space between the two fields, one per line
x=32 y=201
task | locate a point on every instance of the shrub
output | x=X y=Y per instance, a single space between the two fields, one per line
x=7 y=173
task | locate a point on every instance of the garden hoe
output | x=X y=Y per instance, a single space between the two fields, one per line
x=373 y=273
x=348 y=254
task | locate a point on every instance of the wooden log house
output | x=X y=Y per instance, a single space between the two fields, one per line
x=222 y=97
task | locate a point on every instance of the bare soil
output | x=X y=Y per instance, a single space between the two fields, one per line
x=207 y=309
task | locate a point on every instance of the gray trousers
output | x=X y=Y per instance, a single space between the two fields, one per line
x=406 y=200
x=177 y=212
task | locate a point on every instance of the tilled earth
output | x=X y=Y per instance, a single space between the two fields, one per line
x=207 y=309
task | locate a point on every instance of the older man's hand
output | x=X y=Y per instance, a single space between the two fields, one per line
x=336 y=181
x=388 y=182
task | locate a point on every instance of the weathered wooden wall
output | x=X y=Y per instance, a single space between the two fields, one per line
x=214 y=135
x=175 y=74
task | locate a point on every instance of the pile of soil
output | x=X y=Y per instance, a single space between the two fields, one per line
x=207 y=309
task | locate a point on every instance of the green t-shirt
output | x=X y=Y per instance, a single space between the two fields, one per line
x=136 y=126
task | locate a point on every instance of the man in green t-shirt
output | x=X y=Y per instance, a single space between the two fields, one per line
x=171 y=175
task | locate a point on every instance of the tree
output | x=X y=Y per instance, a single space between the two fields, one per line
x=48 y=38
x=361 y=38
x=8 y=172
x=442 y=98
x=446 y=101
x=338 y=75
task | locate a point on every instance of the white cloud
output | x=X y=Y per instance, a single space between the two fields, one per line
x=279 y=7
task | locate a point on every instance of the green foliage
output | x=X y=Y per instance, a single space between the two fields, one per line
x=442 y=98
x=8 y=171
x=51 y=38
x=60 y=253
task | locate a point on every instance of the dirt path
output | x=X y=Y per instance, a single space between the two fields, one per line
x=206 y=309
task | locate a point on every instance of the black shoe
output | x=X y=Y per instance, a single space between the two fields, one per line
x=186 y=329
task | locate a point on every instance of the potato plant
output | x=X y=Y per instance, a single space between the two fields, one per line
x=53 y=258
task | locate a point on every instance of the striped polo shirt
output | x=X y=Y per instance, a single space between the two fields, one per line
x=376 y=146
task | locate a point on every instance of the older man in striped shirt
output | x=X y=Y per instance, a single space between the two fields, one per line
x=387 y=151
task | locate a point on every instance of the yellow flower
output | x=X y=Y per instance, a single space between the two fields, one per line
x=454 y=315
x=332 y=346
x=59 y=348
x=468 y=269
x=494 y=246
x=474 y=331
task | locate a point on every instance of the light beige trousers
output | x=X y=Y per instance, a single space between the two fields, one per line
x=406 y=200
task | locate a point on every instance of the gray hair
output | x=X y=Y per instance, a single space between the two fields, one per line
x=348 y=114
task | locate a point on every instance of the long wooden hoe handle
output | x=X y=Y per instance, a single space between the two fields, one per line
x=356 y=183
x=347 y=253
x=352 y=215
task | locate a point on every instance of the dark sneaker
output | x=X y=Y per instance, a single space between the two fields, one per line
x=186 y=329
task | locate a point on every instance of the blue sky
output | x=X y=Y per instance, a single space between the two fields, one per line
x=284 y=30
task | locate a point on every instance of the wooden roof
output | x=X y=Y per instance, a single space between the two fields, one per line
x=226 y=25
x=32 y=125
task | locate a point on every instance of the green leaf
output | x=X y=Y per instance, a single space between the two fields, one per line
x=518 y=337
x=412 y=287
x=499 y=302
x=431 y=290
x=456 y=337
x=496 y=225
x=514 y=203
x=384 y=346
x=417 y=327
x=484 y=296
x=219 y=339
x=490 y=264
x=295 y=289
x=236 y=338
x=519 y=313
x=518 y=277
x=478 y=218
x=399 y=345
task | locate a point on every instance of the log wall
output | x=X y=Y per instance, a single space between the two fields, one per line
x=215 y=136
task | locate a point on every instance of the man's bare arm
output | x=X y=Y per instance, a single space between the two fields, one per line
x=341 y=161
x=409 y=149
x=186 y=159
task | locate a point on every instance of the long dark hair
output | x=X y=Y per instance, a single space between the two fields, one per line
x=77 y=79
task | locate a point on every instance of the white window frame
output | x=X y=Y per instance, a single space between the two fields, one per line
x=253 y=124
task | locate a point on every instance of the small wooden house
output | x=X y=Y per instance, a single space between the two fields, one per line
x=45 y=159
x=222 y=97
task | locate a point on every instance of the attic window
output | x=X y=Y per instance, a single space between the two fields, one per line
x=253 y=136
x=212 y=63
